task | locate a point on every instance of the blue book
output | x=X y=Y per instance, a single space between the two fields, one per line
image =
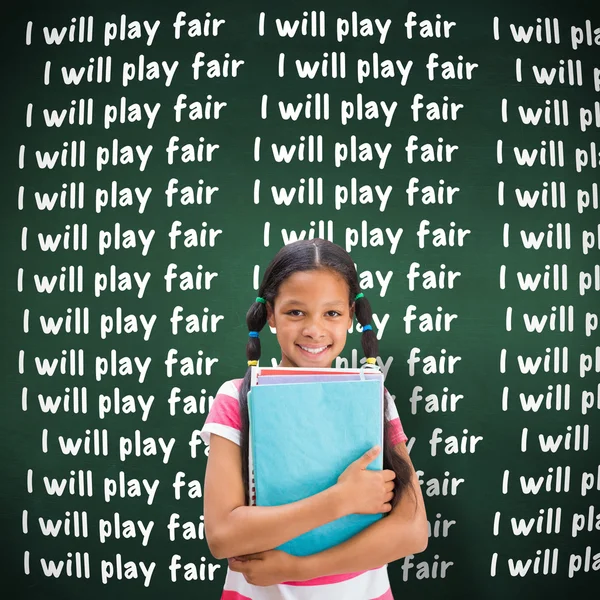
x=302 y=438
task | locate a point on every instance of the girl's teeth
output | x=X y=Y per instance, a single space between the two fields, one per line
x=313 y=350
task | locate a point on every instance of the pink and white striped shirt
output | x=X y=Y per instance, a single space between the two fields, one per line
x=224 y=419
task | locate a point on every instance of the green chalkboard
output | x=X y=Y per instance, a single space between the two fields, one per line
x=156 y=155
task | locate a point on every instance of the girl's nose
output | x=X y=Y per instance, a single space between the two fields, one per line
x=313 y=330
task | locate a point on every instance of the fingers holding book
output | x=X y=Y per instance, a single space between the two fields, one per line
x=367 y=491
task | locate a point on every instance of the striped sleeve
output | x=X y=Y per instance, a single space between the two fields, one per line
x=224 y=417
x=394 y=426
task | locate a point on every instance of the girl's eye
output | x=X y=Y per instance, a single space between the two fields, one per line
x=295 y=313
x=333 y=313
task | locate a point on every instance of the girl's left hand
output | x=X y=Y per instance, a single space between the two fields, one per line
x=265 y=568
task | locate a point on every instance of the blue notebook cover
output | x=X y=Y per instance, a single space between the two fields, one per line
x=303 y=436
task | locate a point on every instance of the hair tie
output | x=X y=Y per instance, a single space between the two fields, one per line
x=253 y=334
x=367 y=328
x=252 y=363
x=359 y=296
x=371 y=361
x=261 y=300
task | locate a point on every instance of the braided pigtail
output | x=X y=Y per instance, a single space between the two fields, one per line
x=370 y=345
x=364 y=316
x=256 y=318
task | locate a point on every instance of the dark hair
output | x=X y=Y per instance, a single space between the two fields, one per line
x=309 y=255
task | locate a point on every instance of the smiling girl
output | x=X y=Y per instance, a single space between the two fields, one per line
x=310 y=295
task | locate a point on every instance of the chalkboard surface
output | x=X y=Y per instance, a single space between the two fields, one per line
x=156 y=155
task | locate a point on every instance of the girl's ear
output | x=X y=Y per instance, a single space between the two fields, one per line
x=351 y=314
x=270 y=315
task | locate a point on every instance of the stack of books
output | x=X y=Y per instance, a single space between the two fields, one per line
x=306 y=427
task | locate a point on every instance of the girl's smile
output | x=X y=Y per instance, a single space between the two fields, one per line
x=312 y=315
x=313 y=352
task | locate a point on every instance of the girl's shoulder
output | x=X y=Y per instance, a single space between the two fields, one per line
x=230 y=388
x=227 y=400
x=395 y=429
x=392 y=411
x=224 y=416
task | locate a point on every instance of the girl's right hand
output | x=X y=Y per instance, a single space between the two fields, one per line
x=365 y=491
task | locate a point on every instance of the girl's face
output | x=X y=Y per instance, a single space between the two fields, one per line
x=312 y=317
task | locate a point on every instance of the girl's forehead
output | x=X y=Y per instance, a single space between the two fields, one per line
x=310 y=285
x=314 y=280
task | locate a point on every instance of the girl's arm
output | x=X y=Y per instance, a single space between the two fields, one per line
x=233 y=529
x=404 y=531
